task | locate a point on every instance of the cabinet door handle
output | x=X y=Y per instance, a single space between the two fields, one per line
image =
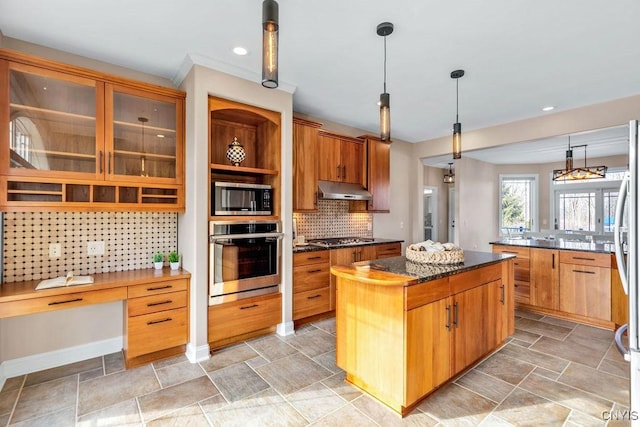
x=109 y=162
x=157 y=288
x=553 y=261
x=584 y=271
x=583 y=258
x=153 y=304
x=153 y=322
x=455 y=314
x=315 y=200
x=65 y=302
x=338 y=171
x=100 y=161
x=317 y=270
x=344 y=171
x=502 y=294
x=314 y=296
x=448 y=325
x=249 y=306
x=353 y=256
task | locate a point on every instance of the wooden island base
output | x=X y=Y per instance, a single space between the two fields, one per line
x=399 y=337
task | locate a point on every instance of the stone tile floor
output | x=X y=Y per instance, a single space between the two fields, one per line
x=550 y=372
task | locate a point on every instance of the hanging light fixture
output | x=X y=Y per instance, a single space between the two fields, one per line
x=143 y=158
x=457 y=127
x=383 y=30
x=449 y=178
x=571 y=173
x=270 y=44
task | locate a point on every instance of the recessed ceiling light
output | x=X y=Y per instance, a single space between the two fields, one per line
x=239 y=50
x=549 y=108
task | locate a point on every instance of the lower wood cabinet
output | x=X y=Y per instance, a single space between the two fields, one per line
x=521 y=271
x=238 y=320
x=311 y=284
x=388 y=250
x=619 y=300
x=585 y=284
x=544 y=278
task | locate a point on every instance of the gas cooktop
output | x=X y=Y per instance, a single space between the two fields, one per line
x=340 y=241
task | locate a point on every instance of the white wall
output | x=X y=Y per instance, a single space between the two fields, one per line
x=193 y=224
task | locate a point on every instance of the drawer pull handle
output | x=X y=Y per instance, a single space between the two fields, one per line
x=65 y=302
x=153 y=322
x=584 y=258
x=584 y=271
x=249 y=306
x=314 y=257
x=314 y=271
x=314 y=297
x=160 y=287
x=509 y=252
x=152 y=304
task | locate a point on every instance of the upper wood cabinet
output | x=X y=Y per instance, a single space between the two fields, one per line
x=340 y=158
x=305 y=165
x=378 y=173
x=77 y=139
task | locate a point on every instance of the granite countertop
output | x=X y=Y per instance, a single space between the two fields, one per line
x=558 y=244
x=419 y=273
x=313 y=248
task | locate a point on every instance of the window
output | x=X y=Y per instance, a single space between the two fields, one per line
x=518 y=204
x=588 y=205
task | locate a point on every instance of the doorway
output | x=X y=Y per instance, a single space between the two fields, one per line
x=452 y=214
x=430 y=212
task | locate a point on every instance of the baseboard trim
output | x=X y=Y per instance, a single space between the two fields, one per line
x=285 y=328
x=51 y=359
x=196 y=353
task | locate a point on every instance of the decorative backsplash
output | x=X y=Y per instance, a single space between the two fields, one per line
x=333 y=220
x=130 y=239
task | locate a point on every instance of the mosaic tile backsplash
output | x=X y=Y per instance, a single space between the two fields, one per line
x=333 y=220
x=130 y=240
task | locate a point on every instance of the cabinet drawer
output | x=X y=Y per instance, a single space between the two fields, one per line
x=244 y=316
x=59 y=302
x=312 y=276
x=470 y=279
x=522 y=292
x=388 y=250
x=518 y=251
x=155 y=303
x=154 y=288
x=309 y=303
x=521 y=270
x=585 y=258
x=156 y=331
x=304 y=258
x=425 y=293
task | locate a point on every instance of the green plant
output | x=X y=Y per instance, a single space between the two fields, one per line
x=158 y=257
x=173 y=256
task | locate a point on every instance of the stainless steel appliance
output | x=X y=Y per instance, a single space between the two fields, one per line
x=628 y=269
x=240 y=198
x=244 y=259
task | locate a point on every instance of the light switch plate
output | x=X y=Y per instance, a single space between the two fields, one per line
x=95 y=248
x=55 y=250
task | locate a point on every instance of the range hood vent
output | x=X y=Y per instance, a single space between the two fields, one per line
x=342 y=191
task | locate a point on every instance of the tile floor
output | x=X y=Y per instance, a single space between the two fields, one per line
x=550 y=372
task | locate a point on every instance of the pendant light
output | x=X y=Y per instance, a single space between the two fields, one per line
x=270 y=44
x=571 y=173
x=449 y=178
x=143 y=158
x=383 y=30
x=457 y=127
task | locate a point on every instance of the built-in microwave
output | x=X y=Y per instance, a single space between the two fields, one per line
x=239 y=198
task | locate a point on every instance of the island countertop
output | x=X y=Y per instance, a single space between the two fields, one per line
x=558 y=244
x=400 y=271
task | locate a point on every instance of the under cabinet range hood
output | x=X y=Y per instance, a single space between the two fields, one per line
x=342 y=191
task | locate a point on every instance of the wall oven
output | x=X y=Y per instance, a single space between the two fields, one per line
x=244 y=259
x=239 y=198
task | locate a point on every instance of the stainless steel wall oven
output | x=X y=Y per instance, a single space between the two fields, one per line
x=244 y=259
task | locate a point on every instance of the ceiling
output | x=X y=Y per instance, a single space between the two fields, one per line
x=518 y=56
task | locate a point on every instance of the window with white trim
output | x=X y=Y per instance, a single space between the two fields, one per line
x=518 y=204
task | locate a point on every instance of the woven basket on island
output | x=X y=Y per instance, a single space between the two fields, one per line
x=430 y=252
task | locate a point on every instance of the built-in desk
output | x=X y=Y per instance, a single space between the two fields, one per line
x=156 y=315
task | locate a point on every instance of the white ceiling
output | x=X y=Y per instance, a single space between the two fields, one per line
x=518 y=55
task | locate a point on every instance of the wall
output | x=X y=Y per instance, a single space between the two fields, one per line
x=199 y=83
x=333 y=220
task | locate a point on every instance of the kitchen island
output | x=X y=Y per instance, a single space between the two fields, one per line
x=403 y=329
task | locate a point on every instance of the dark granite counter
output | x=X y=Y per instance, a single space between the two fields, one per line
x=313 y=248
x=417 y=272
x=558 y=244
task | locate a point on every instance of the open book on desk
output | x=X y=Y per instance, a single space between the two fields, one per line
x=68 y=280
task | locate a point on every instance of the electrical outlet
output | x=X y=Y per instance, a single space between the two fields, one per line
x=95 y=248
x=55 y=250
x=369 y=226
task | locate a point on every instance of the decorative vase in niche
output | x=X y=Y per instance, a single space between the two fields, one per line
x=235 y=152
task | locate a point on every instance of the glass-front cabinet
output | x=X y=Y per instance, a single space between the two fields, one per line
x=73 y=138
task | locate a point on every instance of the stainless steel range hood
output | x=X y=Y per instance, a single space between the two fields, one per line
x=342 y=191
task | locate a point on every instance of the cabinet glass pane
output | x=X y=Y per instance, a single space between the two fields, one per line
x=52 y=124
x=144 y=136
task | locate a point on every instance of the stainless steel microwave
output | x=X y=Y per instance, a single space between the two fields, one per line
x=239 y=198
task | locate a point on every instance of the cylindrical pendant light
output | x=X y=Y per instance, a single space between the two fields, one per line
x=270 y=44
x=457 y=126
x=383 y=30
